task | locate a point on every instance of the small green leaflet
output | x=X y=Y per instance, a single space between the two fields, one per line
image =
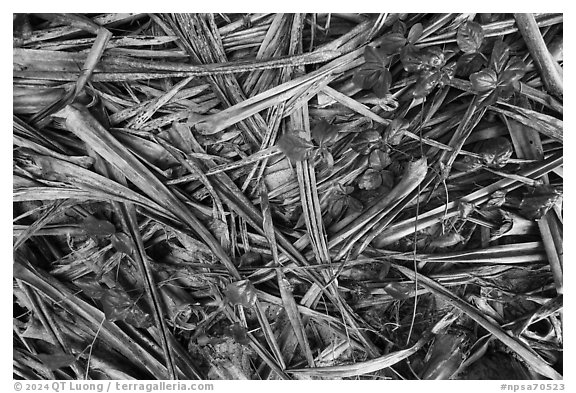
x=95 y=227
x=241 y=292
x=469 y=37
x=294 y=147
x=373 y=74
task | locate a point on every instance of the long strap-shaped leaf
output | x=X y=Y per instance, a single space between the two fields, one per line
x=360 y=368
x=109 y=332
x=531 y=357
x=80 y=122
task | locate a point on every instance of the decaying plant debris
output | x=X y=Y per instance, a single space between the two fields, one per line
x=287 y=196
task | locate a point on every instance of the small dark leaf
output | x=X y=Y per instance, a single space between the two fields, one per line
x=490 y=98
x=411 y=59
x=388 y=103
x=241 y=292
x=464 y=209
x=496 y=199
x=336 y=207
x=238 y=333
x=123 y=243
x=387 y=179
x=514 y=71
x=495 y=152
x=395 y=131
x=399 y=27
x=537 y=201
x=469 y=37
x=251 y=259
x=376 y=55
x=327 y=158
x=469 y=63
x=384 y=270
x=366 y=142
x=445 y=356
x=220 y=231
x=56 y=360
x=467 y=164
x=370 y=180
x=415 y=33
x=379 y=160
x=354 y=205
x=368 y=75
x=294 y=147
x=433 y=56
x=504 y=222
x=95 y=227
x=500 y=55
x=323 y=132
x=392 y=43
x=398 y=290
x=426 y=82
x=118 y=306
x=484 y=81
x=448 y=73
x=507 y=91
x=447 y=240
x=382 y=86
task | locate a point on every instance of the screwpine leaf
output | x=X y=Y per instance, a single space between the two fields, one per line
x=90 y=287
x=56 y=360
x=241 y=292
x=469 y=37
x=500 y=55
x=294 y=147
x=484 y=81
x=95 y=227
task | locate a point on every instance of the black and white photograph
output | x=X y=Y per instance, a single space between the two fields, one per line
x=200 y=197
